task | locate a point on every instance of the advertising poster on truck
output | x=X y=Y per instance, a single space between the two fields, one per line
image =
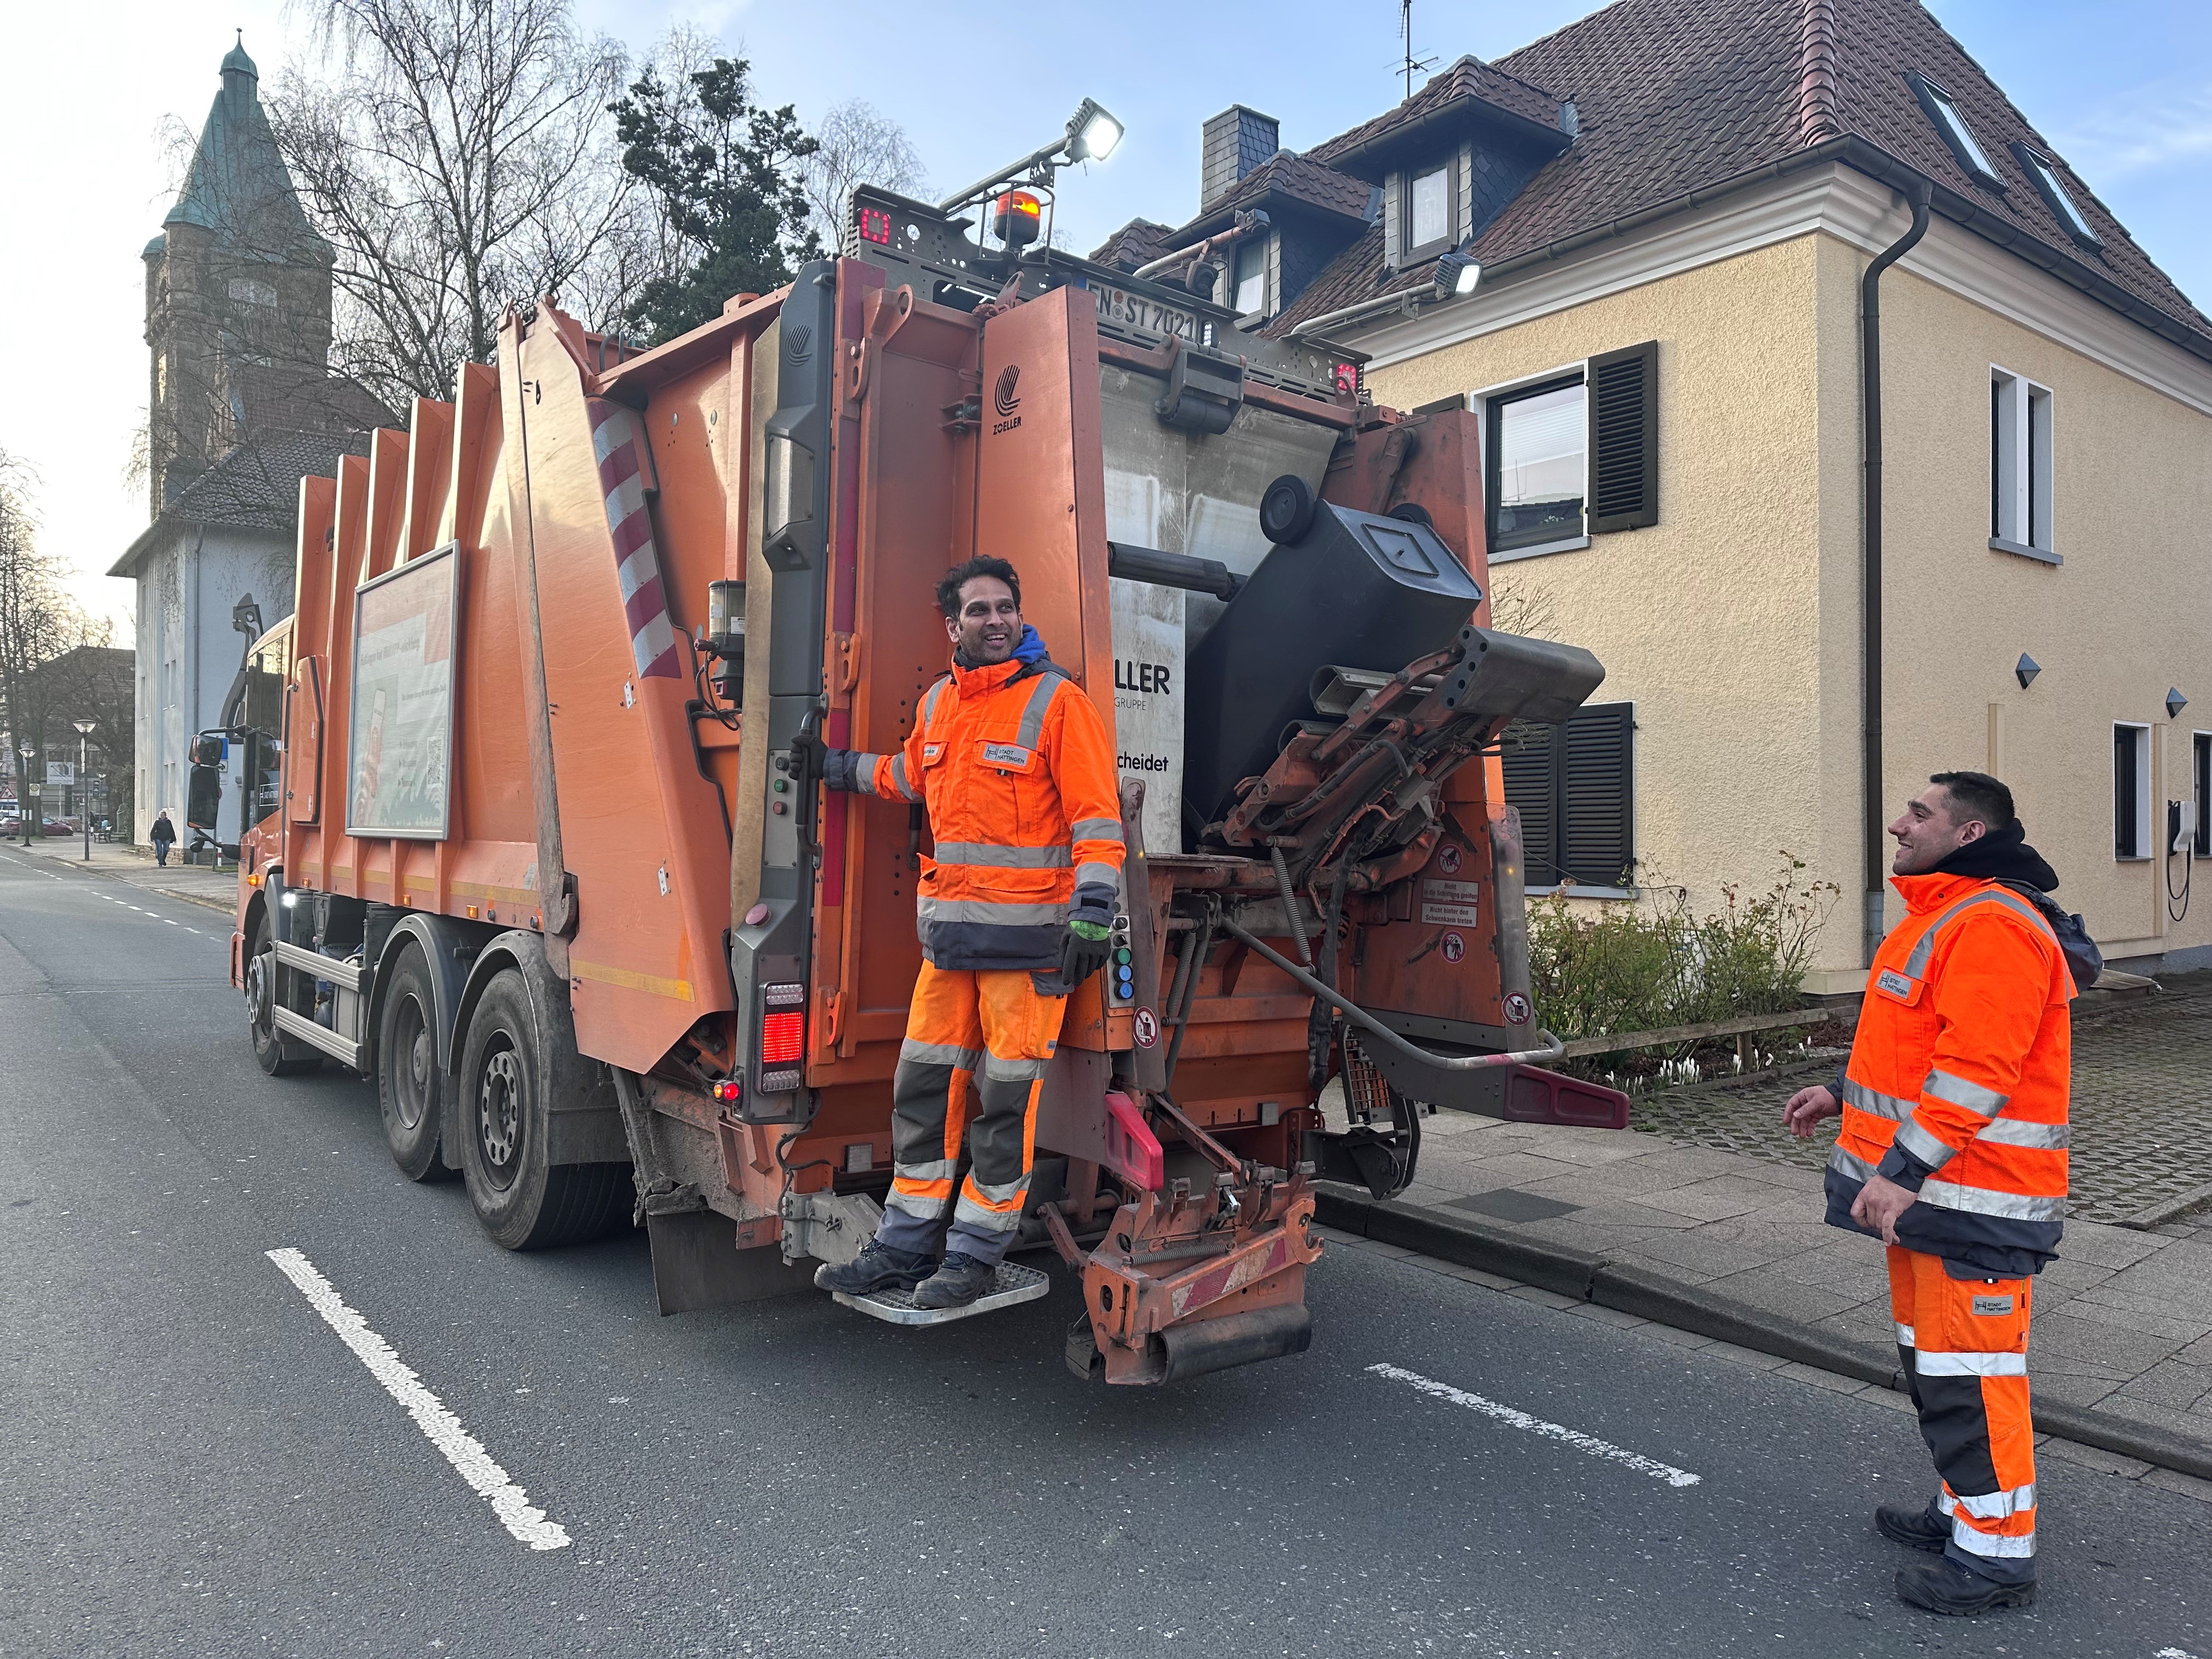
x=403 y=702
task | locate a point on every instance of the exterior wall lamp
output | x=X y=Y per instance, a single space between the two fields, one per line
x=2026 y=670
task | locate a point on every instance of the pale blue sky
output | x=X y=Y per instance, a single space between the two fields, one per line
x=2122 y=88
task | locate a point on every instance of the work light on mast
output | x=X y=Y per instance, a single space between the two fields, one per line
x=1092 y=135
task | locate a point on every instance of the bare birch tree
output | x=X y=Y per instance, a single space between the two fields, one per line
x=858 y=145
x=35 y=620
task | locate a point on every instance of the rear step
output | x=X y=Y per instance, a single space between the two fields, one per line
x=1014 y=1284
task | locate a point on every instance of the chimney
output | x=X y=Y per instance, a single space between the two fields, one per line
x=1235 y=141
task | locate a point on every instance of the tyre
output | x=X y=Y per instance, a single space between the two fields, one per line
x=409 y=1085
x=499 y=1116
x=279 y=1056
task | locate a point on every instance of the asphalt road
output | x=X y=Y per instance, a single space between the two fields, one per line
x=195 y=1464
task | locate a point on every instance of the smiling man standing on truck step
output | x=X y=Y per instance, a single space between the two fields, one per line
x=1954 y=1153
x=1016 y=771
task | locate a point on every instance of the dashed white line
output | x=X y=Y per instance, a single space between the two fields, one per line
x=1521 y=1419
x=461 y=1449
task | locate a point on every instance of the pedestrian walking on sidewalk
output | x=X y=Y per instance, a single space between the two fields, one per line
x=1953 y=1153
x=163 y=835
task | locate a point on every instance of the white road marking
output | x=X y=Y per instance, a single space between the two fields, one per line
x=461 y=1449
x=1521 y=1419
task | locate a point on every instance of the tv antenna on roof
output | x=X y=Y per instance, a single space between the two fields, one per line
x=1411 y=65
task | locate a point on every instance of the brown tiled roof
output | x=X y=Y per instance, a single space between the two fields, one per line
x=1300 y=179
x=1674 y=96
x=1137 y=243
x=1470 y=78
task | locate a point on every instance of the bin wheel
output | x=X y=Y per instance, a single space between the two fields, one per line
x=409 y=1085
x=499 y=1115
x=1286 y=511
x=278 y=1055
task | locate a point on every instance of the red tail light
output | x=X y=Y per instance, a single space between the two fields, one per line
x=783 y=1038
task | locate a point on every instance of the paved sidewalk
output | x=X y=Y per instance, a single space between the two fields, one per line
x=218 y=890
x=2123 y=1318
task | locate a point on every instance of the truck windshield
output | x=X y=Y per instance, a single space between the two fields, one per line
x=268 y=666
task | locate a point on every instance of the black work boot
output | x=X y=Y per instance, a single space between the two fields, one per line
x=1924 y=1527
x=877 y=1267
x=958 y=1280
x=1947 y=1588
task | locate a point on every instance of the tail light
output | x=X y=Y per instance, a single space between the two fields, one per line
x=781 y=1052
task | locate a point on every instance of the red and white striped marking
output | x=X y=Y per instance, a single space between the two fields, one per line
x=637 y=566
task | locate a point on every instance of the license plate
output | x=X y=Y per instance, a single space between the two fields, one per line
x=1117 y=305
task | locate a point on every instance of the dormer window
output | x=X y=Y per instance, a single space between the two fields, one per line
x=2043 y=174
x=1427 y=211
x=1250 y=293
x=1951 y=124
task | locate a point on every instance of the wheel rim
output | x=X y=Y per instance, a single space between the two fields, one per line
x=499 y=1113
x=258 y=973
x=411 y=1078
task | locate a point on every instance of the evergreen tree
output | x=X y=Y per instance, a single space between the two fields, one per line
x=725 y=174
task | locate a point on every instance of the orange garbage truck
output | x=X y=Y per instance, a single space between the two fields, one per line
x=548 y=856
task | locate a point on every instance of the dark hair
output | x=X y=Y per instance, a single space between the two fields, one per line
x=948 y=591
x=1977 y=795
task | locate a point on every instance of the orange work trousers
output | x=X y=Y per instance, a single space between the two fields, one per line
x=1964 y=1342
x=992 y=1033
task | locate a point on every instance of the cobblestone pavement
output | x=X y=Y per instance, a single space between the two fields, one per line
x=2141 y=1107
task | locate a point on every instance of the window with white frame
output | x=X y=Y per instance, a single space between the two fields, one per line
x=2131 y=791
x=1429 y=210
x=1539 y=440
x=2201 y=773
x=1250 y=294
x=2020 y=466
x=1572 y=454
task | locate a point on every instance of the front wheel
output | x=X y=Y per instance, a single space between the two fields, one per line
x=278 y=1056
x=499 y=1115
x=409 y=1086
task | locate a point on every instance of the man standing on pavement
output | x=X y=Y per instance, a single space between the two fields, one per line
x=163 y=835
x=1015 y=768
x=1953 y=1152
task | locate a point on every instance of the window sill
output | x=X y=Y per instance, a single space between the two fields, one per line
x=1580 y=890
x=2131 y=858
x=2022 y=551
x=1564 y=545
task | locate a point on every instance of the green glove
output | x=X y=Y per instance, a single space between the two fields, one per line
x=1083 y=952
x=1094 y=931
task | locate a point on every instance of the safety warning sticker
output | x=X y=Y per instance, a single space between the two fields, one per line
x=1449 y=903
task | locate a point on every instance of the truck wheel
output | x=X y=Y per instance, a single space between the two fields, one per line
x=278 y=1055
x=408 y=1083
x=499 y=1116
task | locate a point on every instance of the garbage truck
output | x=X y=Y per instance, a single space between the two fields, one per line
x=547 y=856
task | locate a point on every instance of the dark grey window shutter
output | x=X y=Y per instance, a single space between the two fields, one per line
x=1532 y=789
x=1574 y=786
x=1624 y=439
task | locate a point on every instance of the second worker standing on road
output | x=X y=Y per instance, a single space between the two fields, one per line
x=1953 y=1152
x=1014 y=765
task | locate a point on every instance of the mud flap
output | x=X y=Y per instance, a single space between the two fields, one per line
x=696 y=1264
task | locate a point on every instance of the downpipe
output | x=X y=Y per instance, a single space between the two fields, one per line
x=1918 y=193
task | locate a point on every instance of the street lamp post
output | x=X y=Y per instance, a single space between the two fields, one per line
x=25 y=821
x=84 y=730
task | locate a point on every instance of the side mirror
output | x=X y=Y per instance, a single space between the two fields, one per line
x=210 y=749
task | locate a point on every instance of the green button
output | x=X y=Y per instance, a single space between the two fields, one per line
x=782 y=784
x=1121 y=956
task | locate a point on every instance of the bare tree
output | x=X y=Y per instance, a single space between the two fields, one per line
x=457 y=154
x=35 y=625
x=859 y=145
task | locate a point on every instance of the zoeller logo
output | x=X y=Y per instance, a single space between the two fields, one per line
x=1005 y=400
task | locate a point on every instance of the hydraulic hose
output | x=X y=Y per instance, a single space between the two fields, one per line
x=1366 y=1021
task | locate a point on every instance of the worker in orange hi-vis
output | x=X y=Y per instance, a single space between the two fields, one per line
x=1015 y=768
x=1953 y=1152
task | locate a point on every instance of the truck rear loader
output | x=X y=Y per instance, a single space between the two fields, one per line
x=549 y=859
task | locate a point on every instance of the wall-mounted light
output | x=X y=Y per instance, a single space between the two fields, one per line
x=2175 y=702
x=1457 y=273
x=2026 y=670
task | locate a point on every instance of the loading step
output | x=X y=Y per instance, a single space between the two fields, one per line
x=1014 y=1284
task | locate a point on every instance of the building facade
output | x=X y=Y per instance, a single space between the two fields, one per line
x=1665 y=345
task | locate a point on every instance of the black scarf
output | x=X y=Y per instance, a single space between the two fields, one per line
x=2001 y=855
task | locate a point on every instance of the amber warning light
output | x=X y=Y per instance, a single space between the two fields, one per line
x=1015 y=217
x=728 y=1091
x=875 y=225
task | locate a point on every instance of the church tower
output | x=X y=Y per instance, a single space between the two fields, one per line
x=238 y=299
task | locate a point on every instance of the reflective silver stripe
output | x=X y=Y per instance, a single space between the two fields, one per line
x=1949 y=1085
x=1980 y=1200
x=1097 y=830
x=1904 y=1336
x=929 y=702
x=864 y=772
x=940 y=1054
x=1924 y=947
x=1013 y=1071
x=1946 y=1503
x=1001 y=916
x=1033 y=712
x=998 y=1192
x=926 y=1209
x=1924 y=1147
x=1850 y=1164
x=1104 y=874
x=1970 y=1364
x=969 y=1213
x=2019 y=1132
x=1006 y=858
x=1982 y=1543
x=899 y=777
x=1994 y=1506
x=1881 y=1105
x=941 y=1169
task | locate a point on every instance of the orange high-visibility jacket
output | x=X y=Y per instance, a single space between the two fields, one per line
x=1958 y=1079
x=1017 y=771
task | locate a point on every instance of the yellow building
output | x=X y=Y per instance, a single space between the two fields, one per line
x=1674 y=208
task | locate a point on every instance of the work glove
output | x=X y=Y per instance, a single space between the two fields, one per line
x=840 y=769
x=1083 y=952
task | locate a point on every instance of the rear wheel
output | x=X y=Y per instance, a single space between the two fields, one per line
x=409 y=1086
x=499 y=1115
x=279 y=1056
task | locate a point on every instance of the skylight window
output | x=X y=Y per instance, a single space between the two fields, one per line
x=2043 y=174
x=1943 y=110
